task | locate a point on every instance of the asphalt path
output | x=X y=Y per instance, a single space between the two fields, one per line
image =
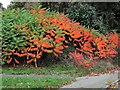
x=93 y=81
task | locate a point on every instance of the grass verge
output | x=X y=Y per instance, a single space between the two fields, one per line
x=59 y=69
x=28 y=82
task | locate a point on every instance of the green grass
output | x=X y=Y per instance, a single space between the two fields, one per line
x=59 y=69
x=17 y=82
x=0 y=69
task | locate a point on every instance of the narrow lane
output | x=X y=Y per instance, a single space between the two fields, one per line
x=93 y=81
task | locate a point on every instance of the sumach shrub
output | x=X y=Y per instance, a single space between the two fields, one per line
x=27 y=35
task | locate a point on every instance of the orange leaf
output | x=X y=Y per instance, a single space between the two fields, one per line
x=9 y=60
x=70 y=39
x=9 y=54
x=87 y=65
x=48 y=36
x=33 y=11
x=67 y=33
x=57 y=50
x=41 y=11
x=95 y=58
x=28 y=62
x=13 y=50
x=33 y=49
x=75 y=36
x=27 y=57
x=84 y=61
x=48 y=51
x=75 y=44
x=35 y=60
x=44 y=23
x=31 y=40
x=61 y=38
x=32 y=55
x=55 y=54
x=40 y=53
x=38 y=56
x=17 y=61
x=15 y=26
x=66 y=41
x=78 y=40
x=20 y=55
x=78 y=49
x=80 y=63
x=38 y=19
x=87 y=53
x=74 y=32
x=57 y=41
x=46 y=45
x=60 y=47
x=65 y=46
x=51 y=32
x=25 y=28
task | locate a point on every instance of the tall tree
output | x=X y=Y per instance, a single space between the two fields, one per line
x=110 y=11
x=14 y=5
x=1 y=5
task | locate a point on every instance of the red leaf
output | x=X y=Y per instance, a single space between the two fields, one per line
x=28 y=62
x=9 y=54
x=48 y=51
x=32 y=55
x=38 y=56
x=78 y=40
x=17 y=61
x=75 y=44
x=65 y=46
x=87 y=65
x=95 y=58
x=20 y=55
x=60 y=47
x=80 y=63
x=61 y=38
x=35 y=60
x=57 y=50
x=70 y=39
x=9 y=60
x=33 y=11
x=55 y=54
x=91 y=63
x=57 y=41
x=75 y=36
x=33 y=49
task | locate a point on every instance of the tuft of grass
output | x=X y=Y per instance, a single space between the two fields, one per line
x=28 y=82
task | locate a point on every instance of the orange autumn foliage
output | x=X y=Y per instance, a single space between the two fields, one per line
x=53 y=33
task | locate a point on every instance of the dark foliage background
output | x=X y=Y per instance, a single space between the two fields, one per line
x=102 y=16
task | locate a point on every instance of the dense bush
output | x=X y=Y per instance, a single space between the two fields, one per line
x=27 y=35
x=86 y=15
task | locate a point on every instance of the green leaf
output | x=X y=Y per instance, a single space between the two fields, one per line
x=57 y=45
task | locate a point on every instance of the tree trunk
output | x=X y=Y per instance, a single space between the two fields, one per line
x=35 y=62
